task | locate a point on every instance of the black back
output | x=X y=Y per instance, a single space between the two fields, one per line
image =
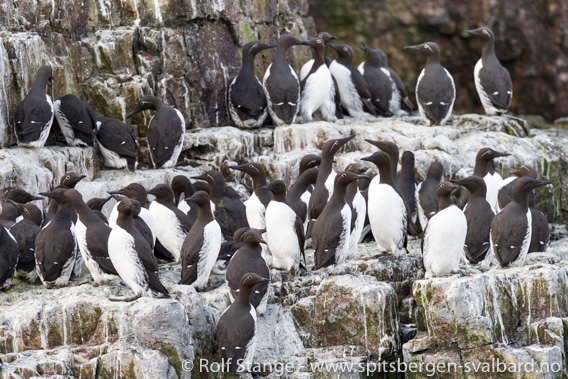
x=116 y=136
x=406 y=181
x=293 y=197
x=82 y=119
x=8 y=258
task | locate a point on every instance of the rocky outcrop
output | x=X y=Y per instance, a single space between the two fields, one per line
x=530 y=42
x=112 y=52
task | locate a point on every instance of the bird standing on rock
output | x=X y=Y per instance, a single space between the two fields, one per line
x=259 y=199
x=25 y=232
x=117 y=143
x=435 y=88
x=444 y=237
x=381 y=87
x=247 y=101
x=492 y=80
x=131 y=254
x=165 y=131
x=511 y=229
x=76 y=119
x=281 y=84
x=427 y=198
x=34 y=115
x=246 y=259
x=201 y=246
x=284 y=230
x=8 y=258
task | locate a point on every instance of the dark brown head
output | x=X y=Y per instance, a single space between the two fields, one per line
x=147 y=102
x=485 y=34
x=200 y=198
x=253 y=237
x=70 y=179
x=309 y=161
x=428 y=49
x=249 y=280
x=21 y=196
x=474 y=184
x=435 y=171
x=163 y=193
x=134 y=191
x=331 y=147
x=254 y=169
x=58 y=194
x=255 y=47
x=326 y=37
x=345 y=53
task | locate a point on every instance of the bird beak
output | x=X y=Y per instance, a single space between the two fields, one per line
x=459 y=182
x=191 y=198
x=413 y=47
x=472 y=32
x=35 y=198
x=263 y=280
x=238 y=168
x=498 y=154
x=46 y=194
x=263 y=241
x=369 y=159
x=544 y=183
x=136 y=110
x=362 y=177
x=333 y=46
x=262 y=230
x=306 y=43
x=112 y=193
x=117 y=196
x=200 y=177
x=363 y=47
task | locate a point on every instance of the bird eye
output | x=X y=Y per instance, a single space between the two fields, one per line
x=343 y=175
x=344 y=49
x=251 y=166
x=249 y=277
x=318 y=41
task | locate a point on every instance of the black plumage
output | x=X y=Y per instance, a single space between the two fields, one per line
x=505 y=194
x=8 y=258
x=406 y=181
x=294 y=196
x=427 y=197
x=76 y=119
x=96 y=204
x=378 y=82
x=117 y=142
x=25 y=232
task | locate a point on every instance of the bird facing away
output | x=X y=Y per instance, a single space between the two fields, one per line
x=492 y=80
x=247 y=101
x=435 y=88
x=117 y=143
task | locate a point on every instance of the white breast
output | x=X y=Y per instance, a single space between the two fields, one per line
x=342 y=250
x=492 y=182
x=111 y=158
x=281 y=236
x=208 y=255
x=490 y=110
x=255 y=212
x=329 y=184
x=306 y=68
x=123 y=255
x=361 y=210
x=349 y=96
x=444 y=239
x=168 y=228
x=316 y=92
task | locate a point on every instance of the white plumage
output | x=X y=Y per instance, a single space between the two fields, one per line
x=255 y=212
x=318 y=96
x=168 y=228
x=444 y=240
x=360 y=207
x=342 y=250
x=350 y=98
x=281 y=236
x=493 y=183
x=490 y=110
x=98 y=275
x=145 y=215
x=40 y=142
x=212 y=238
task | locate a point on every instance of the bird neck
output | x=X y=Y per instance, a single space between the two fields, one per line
x=244 y=296
x=248 y=64
x=125 y=220
x=258 y=182
x=488 y=50
x=386 y=175
x=85 y=213
x=64 y=212
x=340 y=193
x=319 y=59
x=204 y=212
x=281 y=197
x=522 y=198
x=444 y=202
x=433 y=59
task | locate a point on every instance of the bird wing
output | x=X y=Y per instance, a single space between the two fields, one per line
x=116 y=130
x=498 y=86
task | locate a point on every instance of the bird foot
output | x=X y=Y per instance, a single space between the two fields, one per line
x=86 y=281
x=125 y=299
x=214 y=286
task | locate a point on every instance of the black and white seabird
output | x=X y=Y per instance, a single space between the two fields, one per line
x=117 y=143
x=435 y=88
x=166 y=131
x=511 y=229
x=296 y=197
x=308 y=161
x=56 y=250
x=506 y=187
x=21 y=196
x=247 y=101
x=485 y=168
x=96 y=204
x=444 y=237
x=381 y=87
x=406 y=182
x=307 y=67
x=259 y=199
x=34 y=115
x=246 y=259
x=353 y=89
x=284 y=230
x=9 y=214
x=25 y=232
x=230 y=212
x=281 y=84
x=183 y=189
x=172 y=225
x=427 y=199
x=236 y=329
x=318 y=88
x=479 y=216
x=68 y=180
x=392 y=150
x=388 y=214
x=76 y=119
x=326 y=177
x=492 y=80
x=8 y=258
x=131 y=254
x=358 y=205
x=228 y=249
x=201 y=246
x=331 y=231
x=92 y=239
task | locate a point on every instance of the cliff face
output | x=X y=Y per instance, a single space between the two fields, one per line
x=114 y=51
x=531 y=41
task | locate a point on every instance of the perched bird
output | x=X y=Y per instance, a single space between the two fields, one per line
x=406 y=182
x=381 y=87
x=358 y=205
x=505 y=189
x=511 y=229
x=298 y=195
x=236 y=329
x=307 y=67
x=21 y=196
x=172 y=225
x=68 y=180
x=435 y=88
x=56 y=257
x=391 y=149
x=165 y=131
x=76 y=119
x=248 y=258
x=281 y=84
x=228 y=249
x=259 y=199
x=353 y=89
x=183 y=188
x=34 y=115
x=96 y=204
x=444 y=237
x=308 y=161
x=331 y=231
x=230 y=212
x=388 y=214
x=540 y=231
x=8 y=258
x=492 y=80
x=485 y=168
x=9 y=214
x=25 y=232
x=479 y=215
x=131 y=254
x=92 y=239
x=284 y=230
x=201 y=246
x=427 y=201
x=317 y=88
x=117 y=143
x=247 y=101
x=326 y=177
